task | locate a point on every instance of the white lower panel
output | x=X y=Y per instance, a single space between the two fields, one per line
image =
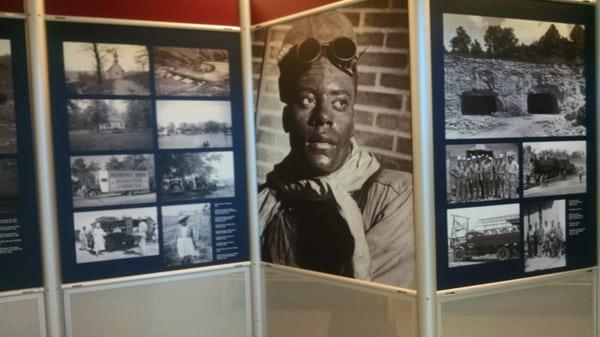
x=306 y=306
x=561 y=308
x=203 y=304
x=22 y=316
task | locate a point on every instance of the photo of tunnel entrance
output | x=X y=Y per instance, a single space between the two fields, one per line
x=506 y=78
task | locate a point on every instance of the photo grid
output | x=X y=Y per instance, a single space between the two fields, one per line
x=151 y=145
x=503 y=86
x=9 y=163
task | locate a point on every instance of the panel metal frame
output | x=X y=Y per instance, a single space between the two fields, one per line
x=11 y=15
x=140 y=23
x=36 y=294
x=458 y=294
x=141 y=280
x=44 y=164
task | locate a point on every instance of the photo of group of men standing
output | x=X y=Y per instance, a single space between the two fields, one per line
x=482 y=172
x=544 y=235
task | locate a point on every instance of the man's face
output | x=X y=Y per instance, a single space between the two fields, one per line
x=320 y=118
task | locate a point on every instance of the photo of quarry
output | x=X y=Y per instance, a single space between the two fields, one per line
x=509 y=78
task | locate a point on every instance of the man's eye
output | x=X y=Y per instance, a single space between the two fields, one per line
x=340 y=105
x=307 y=102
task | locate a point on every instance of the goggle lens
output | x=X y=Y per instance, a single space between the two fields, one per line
x=309 y=51
x=343 y=48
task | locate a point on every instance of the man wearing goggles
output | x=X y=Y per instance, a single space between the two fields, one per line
x=329 y=206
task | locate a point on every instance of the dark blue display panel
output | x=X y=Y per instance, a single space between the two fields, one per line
x=149 y=141
x=514 y=117
x=19 y=230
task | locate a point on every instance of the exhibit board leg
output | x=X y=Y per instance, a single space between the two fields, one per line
x=597 y=292
x=257 y=279
x=40 y=104
x=422 y=126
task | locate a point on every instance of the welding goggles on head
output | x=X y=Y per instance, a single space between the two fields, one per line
x=341 y=52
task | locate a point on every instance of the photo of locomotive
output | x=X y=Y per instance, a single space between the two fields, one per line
x=554 y=168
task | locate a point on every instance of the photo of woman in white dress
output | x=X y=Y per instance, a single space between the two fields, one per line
x=99 y=243
x=186 y=247
x=187 y=234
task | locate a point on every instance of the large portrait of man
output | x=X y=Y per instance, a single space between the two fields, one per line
x=331 y=205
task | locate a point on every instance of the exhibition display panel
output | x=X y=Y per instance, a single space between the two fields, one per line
x=394 y=168
x=336 y=192
x=515 y=121
x=19 y=233
x=149 y=146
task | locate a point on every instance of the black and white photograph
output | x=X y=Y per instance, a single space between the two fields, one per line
x=482 y=172
x=198 y=175
x=193 y=124
x=506 y=78
x=191 y=72
x=110 y=124
x=320 y=183
x=115 y=234
x=483 y=234
x=9 y=186
x=544 y=235
x=93 y=68
x=112 y=180
x=8 y=127
x=554 y=168
x=187 y=235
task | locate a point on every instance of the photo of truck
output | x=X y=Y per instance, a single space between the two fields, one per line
x=484 y=234
x=123 y=182
x=112 y=180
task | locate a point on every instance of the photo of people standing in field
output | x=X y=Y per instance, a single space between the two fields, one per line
x=191 y=72
x=187 y=235
x=193 y=124
x=8 y=126
x=112 y=180
x=544 y=224
x=93 y=68
x=109 y=124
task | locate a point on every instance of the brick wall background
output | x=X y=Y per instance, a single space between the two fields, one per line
x=382 y=109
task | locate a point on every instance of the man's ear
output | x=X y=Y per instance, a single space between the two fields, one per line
x=285 y=119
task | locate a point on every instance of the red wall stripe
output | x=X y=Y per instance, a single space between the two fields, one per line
x=216 y=12
x=266 y=10
x=13 y=6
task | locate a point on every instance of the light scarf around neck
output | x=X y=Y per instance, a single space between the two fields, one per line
x=337 y=186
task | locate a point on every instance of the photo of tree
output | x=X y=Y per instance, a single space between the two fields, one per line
x=508 y=78
x=104 y=124
x=93 y=68
x=193 y=124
